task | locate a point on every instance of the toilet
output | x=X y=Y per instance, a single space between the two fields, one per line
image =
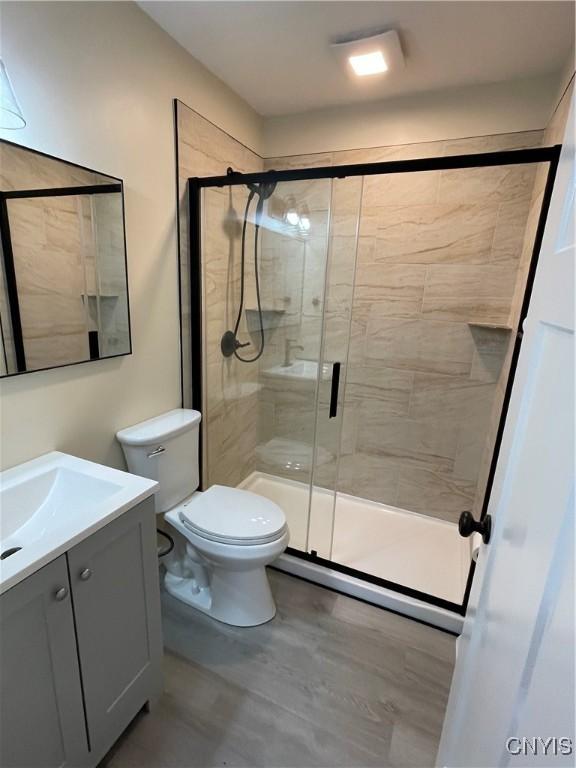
x=224 y=537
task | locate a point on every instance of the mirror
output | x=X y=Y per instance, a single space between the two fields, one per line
x=63 y=277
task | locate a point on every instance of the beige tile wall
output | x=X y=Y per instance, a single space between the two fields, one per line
x=296 y=438
x=70 y=269
x=55 y=258
x=293 y=282
x=21 y=169
x=554 y=134
x=230 y=398
x=48 y=251
x=438 y=252
x=437 y=264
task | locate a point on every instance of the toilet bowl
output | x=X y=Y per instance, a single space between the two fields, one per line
x=225 y=536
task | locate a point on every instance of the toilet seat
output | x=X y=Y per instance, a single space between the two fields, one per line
x=233 y=516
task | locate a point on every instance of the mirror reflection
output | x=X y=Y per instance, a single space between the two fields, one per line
x=63 y=280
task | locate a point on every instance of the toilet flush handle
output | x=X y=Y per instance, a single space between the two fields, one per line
x=156 y=451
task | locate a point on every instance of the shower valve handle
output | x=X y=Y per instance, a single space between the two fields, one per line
x=229 y=344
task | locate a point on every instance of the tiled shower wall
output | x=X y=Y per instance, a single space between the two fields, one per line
x=230 y=398
x=54 y=253
x=438 y=261
x=553 y=135
x=437 y=264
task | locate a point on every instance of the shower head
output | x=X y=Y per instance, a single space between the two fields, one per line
x=264 y=189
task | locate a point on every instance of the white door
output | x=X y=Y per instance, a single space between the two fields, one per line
x=513 y=688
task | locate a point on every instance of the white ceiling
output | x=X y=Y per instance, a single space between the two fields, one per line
x=277 y=55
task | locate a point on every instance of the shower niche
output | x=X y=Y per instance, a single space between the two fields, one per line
x=383 y=303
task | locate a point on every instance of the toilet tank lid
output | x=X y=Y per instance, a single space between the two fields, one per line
x=160 y=427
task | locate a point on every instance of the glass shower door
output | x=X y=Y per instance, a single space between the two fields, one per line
x=260 y=397
x=439 y=281
x=332 y=414
x=379 y=315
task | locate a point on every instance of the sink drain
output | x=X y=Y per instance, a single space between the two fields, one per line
x=9 y=552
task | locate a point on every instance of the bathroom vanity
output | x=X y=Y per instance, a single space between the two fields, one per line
x=80 y=637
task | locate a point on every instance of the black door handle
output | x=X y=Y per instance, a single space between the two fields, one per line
x=334 y=390
x=467 y=526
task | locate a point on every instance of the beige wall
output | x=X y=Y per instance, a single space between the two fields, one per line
x=96 y=82
x=481 y=110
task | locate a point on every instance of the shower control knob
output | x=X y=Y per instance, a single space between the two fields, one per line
x=467 y=526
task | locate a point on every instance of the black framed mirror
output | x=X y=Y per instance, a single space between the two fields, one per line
x=63 y=268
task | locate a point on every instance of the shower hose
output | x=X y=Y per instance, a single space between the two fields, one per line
x=257 y=220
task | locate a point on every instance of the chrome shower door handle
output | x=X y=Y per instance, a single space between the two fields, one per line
x=156 y=451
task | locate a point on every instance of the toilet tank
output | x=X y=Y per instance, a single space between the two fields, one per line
x=165 y=449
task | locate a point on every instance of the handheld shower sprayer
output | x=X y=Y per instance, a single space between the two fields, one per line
x=229 y=343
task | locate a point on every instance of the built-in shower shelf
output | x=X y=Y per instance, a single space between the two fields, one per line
x=493 y=326
x=270 y=319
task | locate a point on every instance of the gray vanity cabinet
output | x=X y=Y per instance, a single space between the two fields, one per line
x=81 y=648
x=41 y=713
x=114 y=578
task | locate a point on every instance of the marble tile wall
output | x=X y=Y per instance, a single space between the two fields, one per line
x=47 y=244
x=21 y=169
x=107 y=285
x=297 y=440
x=554 y=134
x=436 y=266
x=437 y=262
x=293 y=282
x=53 y=251
x=230 y=395
x=70 y=269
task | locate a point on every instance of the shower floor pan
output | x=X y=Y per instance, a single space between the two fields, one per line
x=413 y=550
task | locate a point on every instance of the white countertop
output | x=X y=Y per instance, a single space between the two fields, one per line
x=51 y=503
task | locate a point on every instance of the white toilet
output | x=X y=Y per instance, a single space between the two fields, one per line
x=229 y=535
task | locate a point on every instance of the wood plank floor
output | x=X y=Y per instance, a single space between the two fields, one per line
x=329 y=682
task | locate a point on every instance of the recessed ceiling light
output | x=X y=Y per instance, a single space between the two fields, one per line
x=368 y=63
x=371 y=55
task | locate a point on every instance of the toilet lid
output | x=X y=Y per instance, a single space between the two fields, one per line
x=233 y=516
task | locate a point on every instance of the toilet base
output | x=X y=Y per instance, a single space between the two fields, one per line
x=225 y=581
x=241 y=599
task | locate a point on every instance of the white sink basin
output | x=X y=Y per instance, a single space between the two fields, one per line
x=49 y=504
x=306 y=370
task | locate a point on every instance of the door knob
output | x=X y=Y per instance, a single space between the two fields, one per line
x=61 y=594
x=85 y=574
x=467 y=526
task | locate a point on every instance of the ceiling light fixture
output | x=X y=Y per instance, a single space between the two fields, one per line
x=368 y=63
x=371 y=55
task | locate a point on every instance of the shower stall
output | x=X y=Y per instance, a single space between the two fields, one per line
x=355 y=330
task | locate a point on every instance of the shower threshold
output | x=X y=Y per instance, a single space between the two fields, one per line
x=359 y=542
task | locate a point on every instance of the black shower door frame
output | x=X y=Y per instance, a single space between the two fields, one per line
x=548 y=155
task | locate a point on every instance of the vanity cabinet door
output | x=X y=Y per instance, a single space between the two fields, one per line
x=42 y=722
x=114 y=578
